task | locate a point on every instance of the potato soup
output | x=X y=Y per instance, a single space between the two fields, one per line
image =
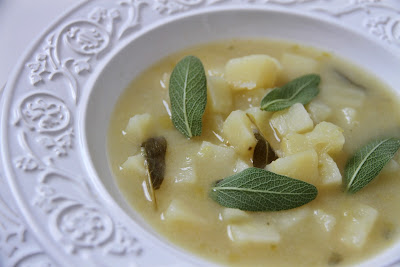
x=309 y=142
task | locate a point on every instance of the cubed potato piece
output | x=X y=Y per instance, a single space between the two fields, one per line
x=241 y=166
x=295 y=119
x=347 y=118
x=295 y=66
x=261 y=119
x=214 y=162
x=253 y=233
x=357 y=223
x=135 y=164
x=326 y=137
x=289 y=218
x=294 y=143
x=238 y=131
x=251 y=72
x=186 y=172
x=249 y=98
x=302 y=166
x=234 y=215
x=179 y=211
x=219 y=95
x=329 y=171
x=318 y=111
x=325 y=220
x=139 y=128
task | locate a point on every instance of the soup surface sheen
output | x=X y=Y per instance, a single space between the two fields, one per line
x=337 y=228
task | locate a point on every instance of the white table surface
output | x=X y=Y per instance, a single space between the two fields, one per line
x=21 y=22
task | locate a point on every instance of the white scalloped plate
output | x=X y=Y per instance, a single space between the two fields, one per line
x=59 y=204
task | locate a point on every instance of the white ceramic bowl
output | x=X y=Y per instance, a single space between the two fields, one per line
x=65 y=194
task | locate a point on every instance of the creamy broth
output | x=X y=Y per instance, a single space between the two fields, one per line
x=305 y=240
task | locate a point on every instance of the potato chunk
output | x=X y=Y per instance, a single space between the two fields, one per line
x=318 y=111
x=209 y=160
x=328 y=170
x=253 y=233
x=238 y=131
x=139 y=128
x=234 y=215
x=289 y=218
x=251 y=72
x=295 y=119
x=178 y=211
x=219 y=94
x=326 y=138
x=135 y=164
x=295 y=66
x=325 y=220
x=294 y=143
x=357 y=224
x=302 y=166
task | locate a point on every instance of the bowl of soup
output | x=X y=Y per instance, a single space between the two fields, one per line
x=208 y=133
x=246 y=53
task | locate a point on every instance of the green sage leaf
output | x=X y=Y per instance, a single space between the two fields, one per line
x=188 y=95
x=300 y=90
x=368 y=161
x=256 y=189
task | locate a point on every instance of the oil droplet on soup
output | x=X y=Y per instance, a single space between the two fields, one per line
x=310 y=142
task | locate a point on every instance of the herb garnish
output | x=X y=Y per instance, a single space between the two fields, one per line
x=256 y=189
x=300 y=90
x=368 y=161
x=188 y=94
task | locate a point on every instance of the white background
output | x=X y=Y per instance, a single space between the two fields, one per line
x=21 y=22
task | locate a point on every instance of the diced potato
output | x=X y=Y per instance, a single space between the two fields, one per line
x=135 y=164
x=179 y=211
x=295 y=66
x=209 y=160
x=241 y=166
x=289 y=218
x=326 y=138
x=318 y=111
x=186 y=172
x=294 y=143
x=302 y=166
x=295 y=119
x=234 y=215
x=328 y=170
x=139 y=128
x=238 y=131
x=357 y=223
x=251 y=72
x=220 y=95
x=325 y=220
x=261 y=119
x=347 y=118
x=253 y=233
x=249 y=98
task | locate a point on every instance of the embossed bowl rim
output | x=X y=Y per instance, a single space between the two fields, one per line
x=89 y=123
x=197 y=29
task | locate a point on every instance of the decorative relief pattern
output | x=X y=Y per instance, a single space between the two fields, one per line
x=45 y=125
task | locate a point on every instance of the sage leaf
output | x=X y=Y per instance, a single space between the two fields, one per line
x=188 y=95
x=368 y=161
x=256 y=189
x=263 y=153
x=154 y=152
x=300 y=90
